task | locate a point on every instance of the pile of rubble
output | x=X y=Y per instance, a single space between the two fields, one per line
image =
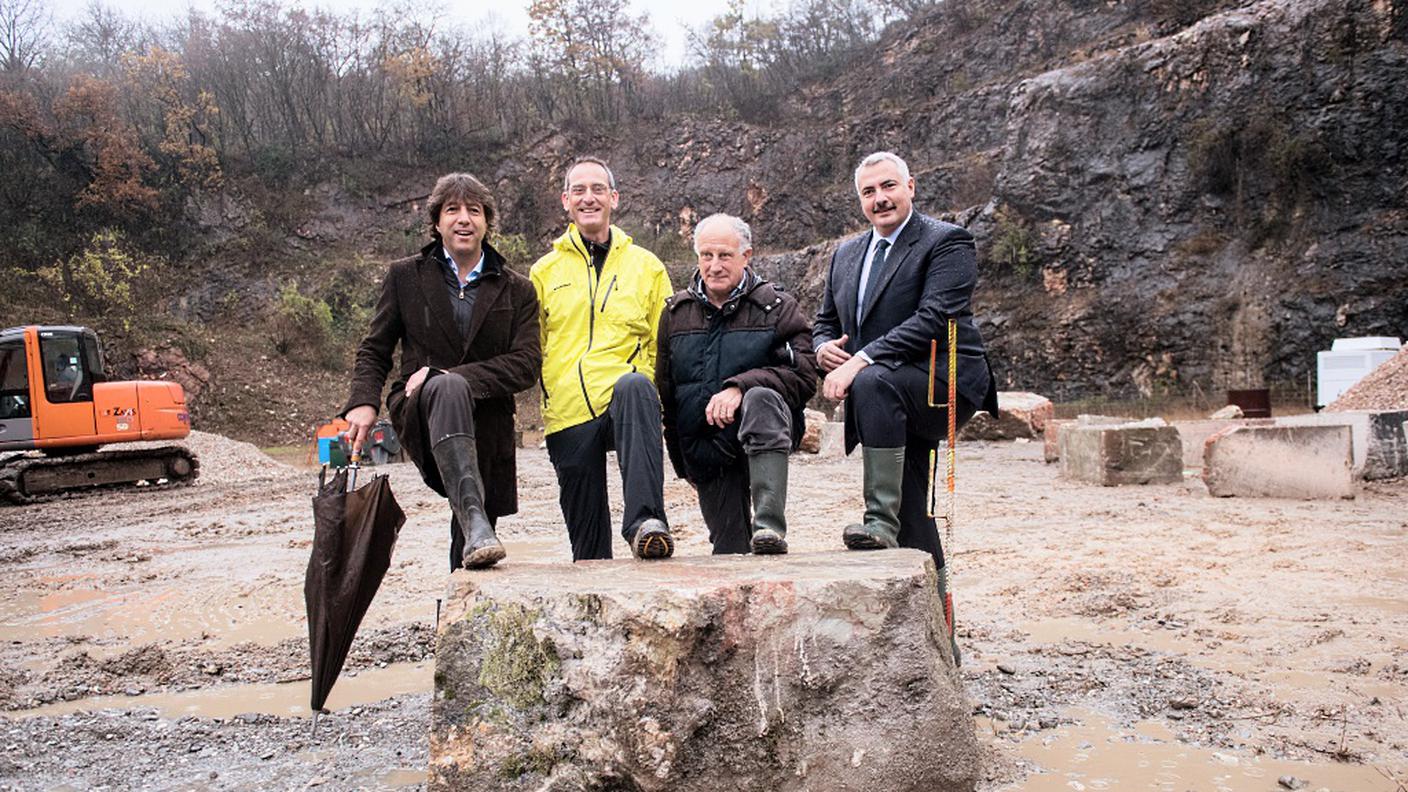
x=1384 y=388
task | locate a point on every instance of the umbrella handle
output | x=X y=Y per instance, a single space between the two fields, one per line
x=354 y=465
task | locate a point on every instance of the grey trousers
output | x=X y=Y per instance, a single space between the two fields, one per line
x=631 y=426
x=447 y=408
x=764 y=424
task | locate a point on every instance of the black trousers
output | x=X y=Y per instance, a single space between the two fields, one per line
x=894 y=411
x=764 y=424
x=631 y=426
x=446 y=409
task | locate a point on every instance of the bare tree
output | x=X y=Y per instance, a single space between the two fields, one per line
x=24 y=34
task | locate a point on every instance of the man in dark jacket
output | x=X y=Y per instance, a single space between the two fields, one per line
x=735 y=370
x=468 y=331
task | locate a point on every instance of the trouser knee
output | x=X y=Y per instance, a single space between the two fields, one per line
x=764 y=422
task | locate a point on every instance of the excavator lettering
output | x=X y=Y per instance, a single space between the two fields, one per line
x=54 y=400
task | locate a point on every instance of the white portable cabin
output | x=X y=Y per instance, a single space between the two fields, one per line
x=1347 y=361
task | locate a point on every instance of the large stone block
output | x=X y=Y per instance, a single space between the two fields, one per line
x=1019 y=414
x=1304 y=462
x=811 y=434
x=801 y=672
x=1051 y=435
x=1145 y=452
x=1379 y=439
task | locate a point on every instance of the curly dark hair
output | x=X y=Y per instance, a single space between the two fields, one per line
x=460 y=188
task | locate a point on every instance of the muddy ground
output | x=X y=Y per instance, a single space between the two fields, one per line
x=1114 y=638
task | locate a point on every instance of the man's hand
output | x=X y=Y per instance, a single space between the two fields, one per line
x=417 y=379
x=832 y=354
x=723 y=407
x=360 y=420
x=838 y=382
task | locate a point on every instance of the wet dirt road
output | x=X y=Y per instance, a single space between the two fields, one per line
x=1114 y=638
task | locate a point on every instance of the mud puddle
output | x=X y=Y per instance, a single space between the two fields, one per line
x=1092 y=753
x=289 y=699
x=122 y=619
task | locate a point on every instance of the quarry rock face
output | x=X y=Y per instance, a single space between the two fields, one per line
x=809 y=671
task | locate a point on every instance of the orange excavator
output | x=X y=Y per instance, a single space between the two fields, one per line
x=54 y=400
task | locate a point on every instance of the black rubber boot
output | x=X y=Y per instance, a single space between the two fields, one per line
x=884 y=474
x=459 y=470
x=767 y=480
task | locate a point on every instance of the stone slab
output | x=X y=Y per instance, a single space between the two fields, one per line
x=1146 y=452
x=1019 y=415
x=1302 y=462
x=833 y=439
x=1051 y=434
x=1379 y=439
x=801 y=672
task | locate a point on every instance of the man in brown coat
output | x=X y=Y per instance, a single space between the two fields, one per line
x=468 y=331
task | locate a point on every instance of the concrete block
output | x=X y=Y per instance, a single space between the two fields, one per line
x=1303 y=462
x=1019 y=414
x=1195 y=434
x=1146 y=452
x=1379 y=439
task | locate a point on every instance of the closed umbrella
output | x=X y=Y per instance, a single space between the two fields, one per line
x=354 y=532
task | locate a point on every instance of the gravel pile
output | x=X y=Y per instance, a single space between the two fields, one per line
x=1385 y=388
x=224 y=459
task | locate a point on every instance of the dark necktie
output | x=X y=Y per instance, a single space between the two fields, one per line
x=877 y=265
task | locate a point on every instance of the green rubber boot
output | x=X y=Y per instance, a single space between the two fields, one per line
x=767 y=480
x=884 y=474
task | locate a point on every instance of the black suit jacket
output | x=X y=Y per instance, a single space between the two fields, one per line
x=500 y=357
x=928 y=277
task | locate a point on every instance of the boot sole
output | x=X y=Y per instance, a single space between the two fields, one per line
x=485 y=557
x=863 y=542
x=769 y=545
x=660 y=545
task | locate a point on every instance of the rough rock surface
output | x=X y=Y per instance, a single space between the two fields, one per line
x=1384 y=388
x=811 y=436
x=808 y=671
x=1019 y=414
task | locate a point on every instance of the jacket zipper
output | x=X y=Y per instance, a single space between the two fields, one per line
x=633 y=357
x=607 y=296
x=591 y=326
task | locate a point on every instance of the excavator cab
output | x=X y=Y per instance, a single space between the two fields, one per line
x=55 y=398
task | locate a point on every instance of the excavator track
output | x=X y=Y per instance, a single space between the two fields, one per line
x=30 y=478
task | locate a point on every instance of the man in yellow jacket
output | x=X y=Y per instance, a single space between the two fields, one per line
x=599 y=303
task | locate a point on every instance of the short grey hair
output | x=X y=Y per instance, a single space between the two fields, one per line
x=567 y=174
x=735 y=224
x=882 y=156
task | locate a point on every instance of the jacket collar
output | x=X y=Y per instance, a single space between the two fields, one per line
x=753 y=288
x=493 y=260
x=571 y=240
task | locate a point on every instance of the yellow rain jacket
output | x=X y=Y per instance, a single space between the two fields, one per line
x=595 y=329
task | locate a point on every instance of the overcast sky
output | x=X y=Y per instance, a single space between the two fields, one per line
x=667 y=17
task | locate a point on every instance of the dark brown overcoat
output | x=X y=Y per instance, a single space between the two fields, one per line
x=501 y=357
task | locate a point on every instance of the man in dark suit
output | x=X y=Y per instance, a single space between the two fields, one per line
x=468 y=331
x=889 y=293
